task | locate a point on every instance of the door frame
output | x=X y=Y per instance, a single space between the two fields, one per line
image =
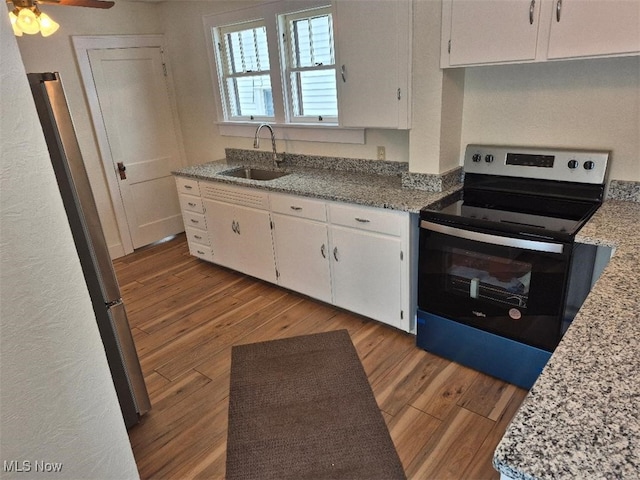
x=82 y=44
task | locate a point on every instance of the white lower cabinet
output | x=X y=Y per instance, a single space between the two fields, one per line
x=239 y=227
x=367 y=272
x=354 y=257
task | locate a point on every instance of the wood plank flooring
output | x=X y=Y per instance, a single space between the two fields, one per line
x=186 y=314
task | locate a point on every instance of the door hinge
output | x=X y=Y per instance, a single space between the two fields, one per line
x=449 y=46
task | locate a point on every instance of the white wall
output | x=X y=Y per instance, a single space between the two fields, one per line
x=57 y=397
x=579 y=103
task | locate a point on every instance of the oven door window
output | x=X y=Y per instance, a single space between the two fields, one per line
x=512 y=292
x=495 y=279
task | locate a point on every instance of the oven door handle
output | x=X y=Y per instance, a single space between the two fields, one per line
x=493 y=239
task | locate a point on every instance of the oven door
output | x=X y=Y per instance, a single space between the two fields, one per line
x=508 y=285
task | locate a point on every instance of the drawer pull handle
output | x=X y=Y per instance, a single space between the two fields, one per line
x=188 y=187
x=191 y=204
x=323 y=251
x=362 y=220
x=198 y=237
x=200 y=252
x=293 y=207
x=195 y=221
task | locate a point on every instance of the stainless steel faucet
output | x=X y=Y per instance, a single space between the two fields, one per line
x=256 y=142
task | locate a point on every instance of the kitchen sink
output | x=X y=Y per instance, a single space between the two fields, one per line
x=253 y=173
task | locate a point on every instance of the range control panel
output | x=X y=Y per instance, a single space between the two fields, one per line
x=581 y=166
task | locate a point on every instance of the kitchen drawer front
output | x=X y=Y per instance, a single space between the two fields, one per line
x=201 y=251
x=194 y=220
x=188 y=186
x=197 y=236
x=299 y=207
x=189 y=203
x=248 y=197
x=366 y=218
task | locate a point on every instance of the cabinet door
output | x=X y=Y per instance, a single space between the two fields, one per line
x=366 y=274
x=241 y=238
x=490 y=31
x=302 y=255
x=596 y=27
x=373 y=47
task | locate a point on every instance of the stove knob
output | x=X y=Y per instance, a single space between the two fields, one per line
x=573 y=164
x=476 y=157
x=589 y=165
x=488 y=158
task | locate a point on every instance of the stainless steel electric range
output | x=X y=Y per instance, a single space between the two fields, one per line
x=500 y=276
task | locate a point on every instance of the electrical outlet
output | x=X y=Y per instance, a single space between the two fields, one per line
x=382 y=154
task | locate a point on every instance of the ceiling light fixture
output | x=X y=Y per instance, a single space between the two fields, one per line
x=27 y=18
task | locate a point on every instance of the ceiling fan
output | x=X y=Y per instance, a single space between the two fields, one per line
x=27 y=18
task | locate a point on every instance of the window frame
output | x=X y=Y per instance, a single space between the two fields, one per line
x=222 y=62
x=286 y=65
x=270 y=12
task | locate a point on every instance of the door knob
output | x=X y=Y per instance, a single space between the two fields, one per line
x=122 y=170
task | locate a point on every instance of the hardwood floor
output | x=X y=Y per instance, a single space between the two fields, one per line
x=186 y=314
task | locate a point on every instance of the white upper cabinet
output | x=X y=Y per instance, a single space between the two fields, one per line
x=479 y=32
x=373 y=46
x=491 y=31
x=581 y=28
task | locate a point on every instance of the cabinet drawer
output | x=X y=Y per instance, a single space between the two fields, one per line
x=194 y=220
x=188 y=186
x=299 y=207
x=197 y=236
x=366 y=218
x=201 y=251
x=189 y=203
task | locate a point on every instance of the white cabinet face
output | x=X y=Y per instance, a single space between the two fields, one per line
x=488 y=31
x=373 y=45
x=366 y=274
x=241 y=238
x=302 y=256
x=476 y=32
x=597 y=27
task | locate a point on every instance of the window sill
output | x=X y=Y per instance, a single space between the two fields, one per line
x=296 y=132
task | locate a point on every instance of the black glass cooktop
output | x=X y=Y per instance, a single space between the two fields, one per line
x=539 y=216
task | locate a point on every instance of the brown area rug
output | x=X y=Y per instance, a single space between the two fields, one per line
x=302 y=408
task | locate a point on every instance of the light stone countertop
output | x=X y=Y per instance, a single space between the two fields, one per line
x=581 y=419
x=364 y=187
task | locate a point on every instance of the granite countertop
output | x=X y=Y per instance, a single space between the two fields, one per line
x=376 y=184
x=581 y=418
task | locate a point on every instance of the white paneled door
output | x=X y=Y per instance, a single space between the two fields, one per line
x=142 y=139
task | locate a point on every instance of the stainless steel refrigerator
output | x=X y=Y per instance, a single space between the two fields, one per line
x=90 y=243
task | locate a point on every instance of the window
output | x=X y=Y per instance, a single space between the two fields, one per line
x=291 y=52
x=244 y=71
x=309 y=65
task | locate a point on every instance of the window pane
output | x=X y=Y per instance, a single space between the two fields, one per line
x=246 y=50
x=312 y=42
x=314 y=93
x=250 y=95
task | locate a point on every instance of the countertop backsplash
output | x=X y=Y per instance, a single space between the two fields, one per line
x=624 y=190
